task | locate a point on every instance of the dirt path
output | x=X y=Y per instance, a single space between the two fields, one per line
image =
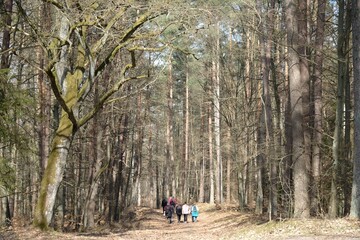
x=146 y=223
x=211 y=224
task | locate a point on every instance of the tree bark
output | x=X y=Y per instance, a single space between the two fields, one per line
x=216 y=99
x=338 y=143
x=317 y=84
x=300 y=174
x=203 y=153
x=5 y=64
x=211 y=159
x=355 y=194
x=53 y=173
x=170 y=166
x=94 y=170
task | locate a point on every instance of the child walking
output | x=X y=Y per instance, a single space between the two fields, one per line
x=194 y=212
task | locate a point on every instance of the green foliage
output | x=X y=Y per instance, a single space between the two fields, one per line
x=16 y=102
x=7 y=175
x=16 y=105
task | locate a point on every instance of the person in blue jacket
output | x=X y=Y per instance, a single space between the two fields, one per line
x=194 y=212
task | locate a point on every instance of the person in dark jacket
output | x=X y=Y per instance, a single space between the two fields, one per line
x=169 y=210
x=163 y=204
x=178 y=210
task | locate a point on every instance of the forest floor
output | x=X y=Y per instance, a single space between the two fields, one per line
x=213 y=223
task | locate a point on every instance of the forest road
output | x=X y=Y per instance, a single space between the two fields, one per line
x=213 y=223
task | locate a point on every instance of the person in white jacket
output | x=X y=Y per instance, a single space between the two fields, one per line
x=185 y=211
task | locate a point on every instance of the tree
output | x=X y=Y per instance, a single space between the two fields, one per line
x=296 y=88
x=317 y=83
x=6 y=8
x=216 y=102
x=355 y=195
x=77 y=57
x=338 y=144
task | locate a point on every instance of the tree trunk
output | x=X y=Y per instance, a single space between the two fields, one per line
x=186 y=162
x=170 y=160
x=304 y=56
x=338 y=143
x=317 y=84
x=228 y=166
x=355 y=194
x=5 y=64
x=53 y=173
x=300 y=174
x=216 y=79
x=94 y=171
x=211 y=159
x=203 y=154
x=266 y=48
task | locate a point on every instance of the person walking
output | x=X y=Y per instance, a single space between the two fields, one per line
x=194 y=212
x=163 y=204
x=169 y=210
x=185 y=211
x=172 y=201
x=178 y=210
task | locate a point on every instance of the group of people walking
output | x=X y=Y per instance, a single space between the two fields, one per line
x=171 y=206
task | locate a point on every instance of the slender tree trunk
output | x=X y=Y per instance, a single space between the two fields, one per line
x=266 y=47
x=338 y=143
x=305 y=92
x=186 y=134
x=228 y=166
x=170 y=166
x=317 y=84
x=211 y=160
x=347 y=153
x=138 y=161
x=345 y=164
x=260 y=162
x=203 y=154
x=218 y=164
x=94 y=171
x=44 y=92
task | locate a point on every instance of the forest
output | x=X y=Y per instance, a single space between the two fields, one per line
x=107 y=105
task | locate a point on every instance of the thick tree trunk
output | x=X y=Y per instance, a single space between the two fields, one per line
x=5 y=64
x=355 y=195
x=300 y=174
x=53 y=173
